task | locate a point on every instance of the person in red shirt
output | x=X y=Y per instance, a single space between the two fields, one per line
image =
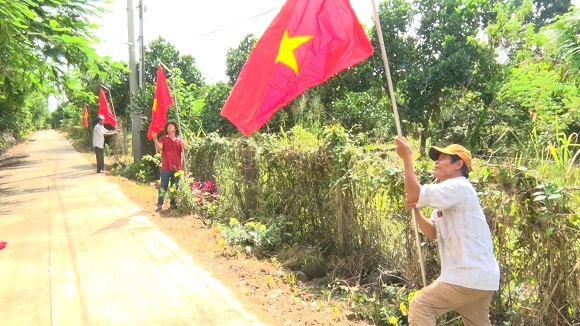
x=171 y=147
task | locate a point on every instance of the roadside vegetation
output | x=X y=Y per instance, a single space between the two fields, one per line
x=319 y=189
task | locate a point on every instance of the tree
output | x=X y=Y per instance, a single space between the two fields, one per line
x=545 y=11
x=41 y=43
x=160 y=50
x=538 y=95
x=563 y=42
x=44 y=38
x=361 y=112
x=432 y=46
x=189 y=72
x=215 y=98
x=236 y=57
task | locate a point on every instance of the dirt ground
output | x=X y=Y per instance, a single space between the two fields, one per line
x=260 y=284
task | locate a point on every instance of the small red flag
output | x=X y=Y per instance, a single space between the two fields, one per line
x=105 y=111
x=161 y=103
x=308 y=42
x=85 y=116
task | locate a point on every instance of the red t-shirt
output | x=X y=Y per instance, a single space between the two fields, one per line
x=171 y=153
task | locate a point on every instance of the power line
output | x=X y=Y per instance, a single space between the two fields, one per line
x=202 y=35
x=238 y=23
x=117 y=41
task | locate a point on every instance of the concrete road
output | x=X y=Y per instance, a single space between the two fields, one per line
x=80 y=253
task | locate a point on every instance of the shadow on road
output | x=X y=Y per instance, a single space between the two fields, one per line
x=14 y=162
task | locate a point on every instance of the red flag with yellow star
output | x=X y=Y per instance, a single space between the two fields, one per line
x=105 y=109
x=308 y=42
x=161 y=103
x=85 y=116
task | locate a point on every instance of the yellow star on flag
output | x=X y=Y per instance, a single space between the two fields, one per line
x=155 y=104
x=287 y=47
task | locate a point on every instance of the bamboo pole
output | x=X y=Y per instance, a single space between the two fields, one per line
x=399 y=132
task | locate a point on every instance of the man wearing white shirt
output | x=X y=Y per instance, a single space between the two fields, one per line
x=99 y=133
x=469 y=271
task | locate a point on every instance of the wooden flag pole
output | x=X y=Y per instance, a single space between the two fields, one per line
x=177 y=112
x=399 y=132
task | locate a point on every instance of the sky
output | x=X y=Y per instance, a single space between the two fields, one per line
x=206 y=29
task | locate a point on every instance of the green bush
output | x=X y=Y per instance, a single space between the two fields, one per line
x=143 y=171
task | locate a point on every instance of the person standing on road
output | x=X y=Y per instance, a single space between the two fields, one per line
x=469 y=270
x=171 y=147
x=99 y=133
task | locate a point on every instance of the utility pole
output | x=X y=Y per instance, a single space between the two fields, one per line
x=141 y=46
x=135 y=116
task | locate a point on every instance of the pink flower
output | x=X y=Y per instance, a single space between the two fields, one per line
x=203 y=191
x=195 y=185
x=199 y=197
x=209 y=186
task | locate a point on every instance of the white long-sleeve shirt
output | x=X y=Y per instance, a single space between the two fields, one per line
x=463 y=236
x=99 y=133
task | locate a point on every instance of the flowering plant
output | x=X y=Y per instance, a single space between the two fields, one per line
x=245 y=235
x=391 y=307
x=199 y=197
x=395 y=314
x=203 y=191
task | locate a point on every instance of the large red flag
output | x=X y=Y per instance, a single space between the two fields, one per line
x=308 y=42
x=161 y=103
x=85 y=116
x=105 y=110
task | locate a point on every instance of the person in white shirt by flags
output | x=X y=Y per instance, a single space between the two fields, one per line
x=469 y=270
x=99 y=133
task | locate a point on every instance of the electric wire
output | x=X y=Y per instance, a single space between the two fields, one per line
x=235 y=24
x=117 y=41
x=205 y=34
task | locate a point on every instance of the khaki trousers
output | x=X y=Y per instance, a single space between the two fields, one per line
x=440 y=298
